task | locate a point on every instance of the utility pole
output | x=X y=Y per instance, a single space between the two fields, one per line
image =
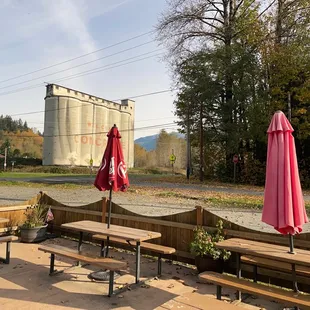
x=5 y=157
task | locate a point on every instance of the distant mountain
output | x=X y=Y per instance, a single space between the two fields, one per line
x=149 y=142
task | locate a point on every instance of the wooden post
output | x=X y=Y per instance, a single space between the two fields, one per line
x=40 y=197
x=199 y=220
x=104 y=209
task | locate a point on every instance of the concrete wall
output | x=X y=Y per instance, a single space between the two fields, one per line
x=76 y=126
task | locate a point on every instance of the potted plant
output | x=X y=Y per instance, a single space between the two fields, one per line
x=34 y=228
x=207 y=255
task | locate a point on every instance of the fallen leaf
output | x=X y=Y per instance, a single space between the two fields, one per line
x=170 y=286
x=145 y=286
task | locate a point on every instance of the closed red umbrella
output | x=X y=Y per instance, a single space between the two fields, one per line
x=284 y=206
x=112 y=174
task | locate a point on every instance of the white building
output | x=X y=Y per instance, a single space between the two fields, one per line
x=76 y=126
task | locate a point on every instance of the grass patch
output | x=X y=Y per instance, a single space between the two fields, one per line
x=175 y=195
x=32 y=175
x=40 y=185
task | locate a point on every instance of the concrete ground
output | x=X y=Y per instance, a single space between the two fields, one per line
x=25 y=284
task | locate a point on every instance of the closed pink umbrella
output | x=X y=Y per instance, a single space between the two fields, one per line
x=284 y=206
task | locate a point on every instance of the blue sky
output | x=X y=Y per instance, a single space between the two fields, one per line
x=40 y=33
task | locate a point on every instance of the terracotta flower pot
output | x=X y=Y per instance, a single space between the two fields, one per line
x=206 y=263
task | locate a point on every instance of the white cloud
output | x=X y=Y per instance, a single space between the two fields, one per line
x=68 y=16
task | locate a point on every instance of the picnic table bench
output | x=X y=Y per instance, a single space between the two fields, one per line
x=273 y=265
x=128 y=234
x=156 y=248
x=7 y=240
x=106 y=263
x=289 y=298
x=263 y=253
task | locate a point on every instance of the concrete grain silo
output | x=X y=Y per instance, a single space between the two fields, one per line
x=76 y=126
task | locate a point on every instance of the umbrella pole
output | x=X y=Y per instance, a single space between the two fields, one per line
x=110 y=207
x=109 y=222
x=291 y=244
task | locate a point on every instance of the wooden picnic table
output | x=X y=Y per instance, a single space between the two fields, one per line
x=126 y=233
x=271 y=251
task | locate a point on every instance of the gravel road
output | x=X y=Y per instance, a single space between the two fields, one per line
x=133 y=201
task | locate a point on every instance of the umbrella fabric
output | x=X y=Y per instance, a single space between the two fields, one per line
x=284 y=206
x=112 y=173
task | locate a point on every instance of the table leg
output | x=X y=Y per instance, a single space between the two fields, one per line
x=138 y=262
x=238 y=293
x=80 y=246
x=107 y=247
x=295 y=285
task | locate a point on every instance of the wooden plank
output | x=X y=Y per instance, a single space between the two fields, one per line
x=199 y=220
x=144 y=245
x=141 y=219
x=277 y=277
x=77 y=210
x=288 y=298
x=273 y=264
x=14 y=208
x=104 y=209
x=260 y=249
x=103 y=262
x=196 y=301
x=8 y=238
x=4 y=220
x=144 y=219
x=126 y=233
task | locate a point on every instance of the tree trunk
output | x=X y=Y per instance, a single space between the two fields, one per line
x=201 y=170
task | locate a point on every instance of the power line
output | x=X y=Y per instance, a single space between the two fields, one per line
x=92 y=71
x=78 y=57
x=149 y=94
x=87 y=72
x=158 y=126
x=77 y=66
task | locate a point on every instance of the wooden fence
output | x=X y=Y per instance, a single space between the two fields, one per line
x=16 y=214
x=176 y=229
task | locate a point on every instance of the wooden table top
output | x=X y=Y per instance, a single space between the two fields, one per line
x=122 y=232
x=4 y=220
x=266 y=250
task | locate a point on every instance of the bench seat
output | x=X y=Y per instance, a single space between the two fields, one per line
x=156 y=248
x=7 y=240
x=285 y=297
x=105 y=263
x=274 y=265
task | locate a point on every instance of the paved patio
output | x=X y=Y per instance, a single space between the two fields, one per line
x=25 y=284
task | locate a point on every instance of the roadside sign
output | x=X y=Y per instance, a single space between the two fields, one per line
x=235 y=159
x=172 y=158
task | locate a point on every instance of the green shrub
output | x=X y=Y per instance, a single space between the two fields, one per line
x=204 y=243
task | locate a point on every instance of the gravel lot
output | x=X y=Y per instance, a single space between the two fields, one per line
x=133 y=201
